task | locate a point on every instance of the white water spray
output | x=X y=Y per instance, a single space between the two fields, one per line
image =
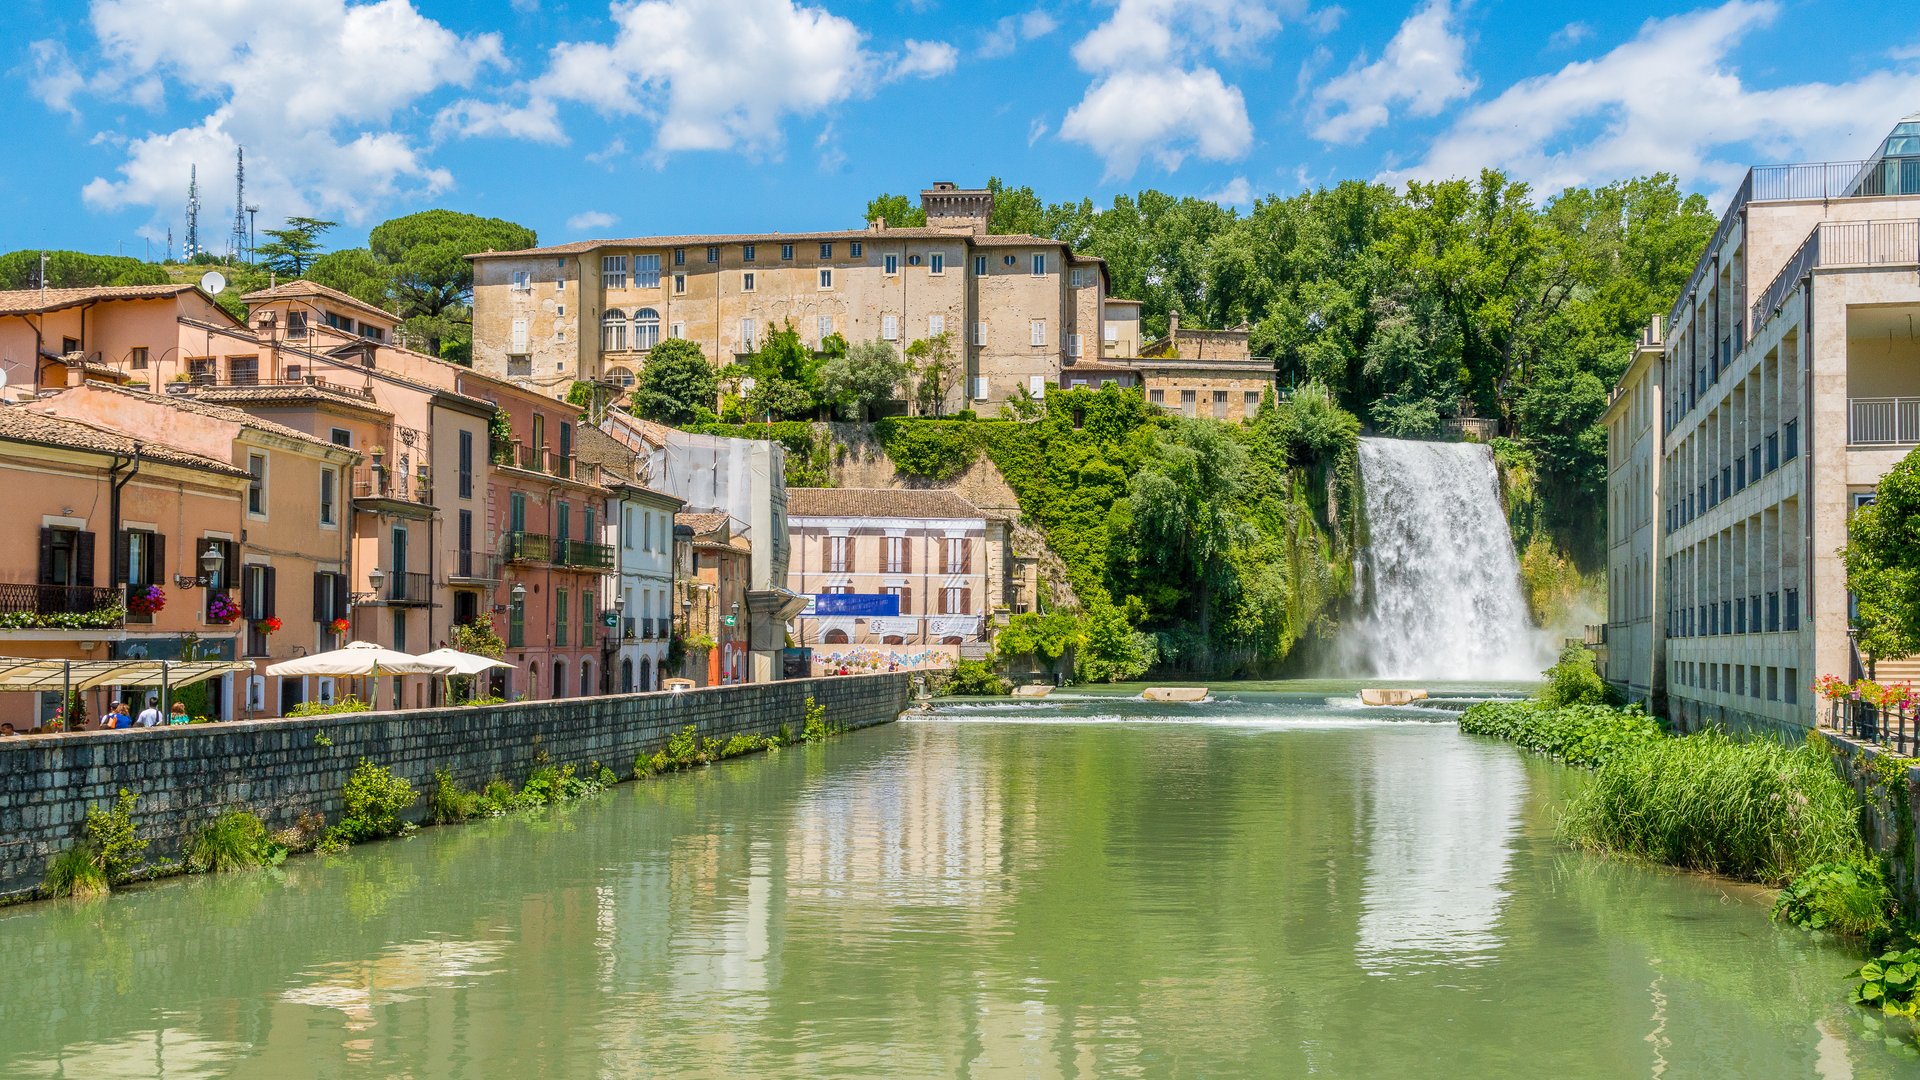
x=1440 y=581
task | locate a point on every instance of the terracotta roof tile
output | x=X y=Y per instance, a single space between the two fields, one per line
x=879 y=502
x=704 y=239
x=28 y=301
x=20 y=425
x=701 y=524
x=207 y=409
x=302 y=287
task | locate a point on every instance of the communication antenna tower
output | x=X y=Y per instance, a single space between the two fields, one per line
x=169 y=243
x=239 y=200
x=192 y=248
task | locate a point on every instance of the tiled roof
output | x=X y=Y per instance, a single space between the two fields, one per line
x=215 y=412
x=283 y=394
x=704 y=239
x=879 y=503
x=590 y=444
x=29 y=301
x=301 y=287
x=702 y=524
x=20 y=425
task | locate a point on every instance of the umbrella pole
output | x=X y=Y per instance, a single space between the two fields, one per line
x=166 y=690
x=66 y=691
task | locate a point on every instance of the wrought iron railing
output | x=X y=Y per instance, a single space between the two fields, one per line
x=477 y=565
x=69 y=607
x=409 y=587
x=528 y=547
x=381 y=482
x=585 y=553
x=1894 y=727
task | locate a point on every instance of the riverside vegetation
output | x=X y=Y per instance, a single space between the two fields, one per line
x=110 y=851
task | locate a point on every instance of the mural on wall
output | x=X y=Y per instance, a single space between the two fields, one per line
x=864 y=658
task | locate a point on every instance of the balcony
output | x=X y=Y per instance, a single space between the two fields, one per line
x=476 y=566
x=409 y=588
x=585 y=554
x=379 y=482
x=60 y=607
x=526 y=547
x=537 y=459
x=1883 y=421
x=1839 y=244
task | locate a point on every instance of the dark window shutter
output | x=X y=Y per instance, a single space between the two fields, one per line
x=966 y=601
x=322 y=595
x=966 y=557
x=83 y=559
x=906 y=601
x=122 y=546
x=339 y=596
x=156 y=559
x=273 y=593
x=46 y=555
x=906 y=555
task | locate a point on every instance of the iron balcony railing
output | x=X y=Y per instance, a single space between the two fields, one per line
x=1883 y=421
x=541 y=460
x=70 y=607
x=528 y=547
x=1839 y=244
x=1894 y=727
x=477 y=565
x=409 y=587
x=586 y=554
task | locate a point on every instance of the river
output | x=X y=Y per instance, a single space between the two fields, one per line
x=1277 y=883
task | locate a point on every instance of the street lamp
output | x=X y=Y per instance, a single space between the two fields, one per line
x=211 y=560
x=374 y=577
x=519 y=591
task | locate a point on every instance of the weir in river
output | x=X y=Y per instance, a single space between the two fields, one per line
x=1438 y=578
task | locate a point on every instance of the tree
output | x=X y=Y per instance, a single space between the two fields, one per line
x=1181 y=504
x=1882 y=557
x=935 y=368
x=431 y=278
x=856 y=378
x=1046 y=637
x=786 y=376
x=898 y=211
x=292 y=248
x=76 y=270
x=356 y=272
x=678 y=385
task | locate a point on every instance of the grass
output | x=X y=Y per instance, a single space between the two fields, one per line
x=236 y=840
x=1752 y=810
x=1583 y=735
x=75 y=873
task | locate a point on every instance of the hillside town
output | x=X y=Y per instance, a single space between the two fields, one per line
x=237 y=493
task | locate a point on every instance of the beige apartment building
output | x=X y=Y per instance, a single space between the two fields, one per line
x=1788 y=383
x=1024 y=313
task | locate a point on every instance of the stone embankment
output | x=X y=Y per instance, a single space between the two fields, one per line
x=185 y=776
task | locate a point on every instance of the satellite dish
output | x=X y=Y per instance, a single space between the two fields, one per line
x=213 y=282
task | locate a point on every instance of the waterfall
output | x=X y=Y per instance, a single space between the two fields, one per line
x=1439 y=579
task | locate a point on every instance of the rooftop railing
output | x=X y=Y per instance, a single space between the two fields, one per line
x=1836 y=244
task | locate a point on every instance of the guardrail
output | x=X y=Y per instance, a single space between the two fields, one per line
x=409 y=587
x=1883 y=421
x=1838 y=244
x=71 y=607
x=528 y=547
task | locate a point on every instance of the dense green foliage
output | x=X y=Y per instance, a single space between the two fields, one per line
x=855 y=378
x=1586 y=735
x=76 y=269
x=678 y=385
x=291 y=249
x=1883 y=563
x=108 y=852
x=429 y=278
x=974 y=678
x=236 y=840
x=1412 y=305
x=371 y=803
x=1575 y=681
x=1849 y=898
x=316 y=707
x=1891 y=983
x=937 y=450
x=1753 y=810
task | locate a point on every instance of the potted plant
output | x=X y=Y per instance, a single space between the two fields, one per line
x=339 y=627
x=268 y=625
x=222 y=609
x=146 y=599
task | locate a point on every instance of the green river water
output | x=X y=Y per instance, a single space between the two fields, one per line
x=1274 y=884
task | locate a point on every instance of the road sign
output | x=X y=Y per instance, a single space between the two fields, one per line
x=726 y=620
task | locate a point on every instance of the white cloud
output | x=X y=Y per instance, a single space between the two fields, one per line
x=1037 y=129
x=588 y=220
x=1570 y=35
x=614 y=149
x=1011 y=31
x=314 y=90
x=538 y=120
x=1424 y=67
x=1140 y=33
x=925 y=60
x=724 y=74
x=1235 y=192
x=55 y=80
x=1165 y=115
x=1667 y=100
x=1325 y=20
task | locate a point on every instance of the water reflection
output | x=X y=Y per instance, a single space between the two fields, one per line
x=1442 y=816
x=168 y=1053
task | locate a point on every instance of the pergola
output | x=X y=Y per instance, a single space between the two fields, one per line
x=22 y=674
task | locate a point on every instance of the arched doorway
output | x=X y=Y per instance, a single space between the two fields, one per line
x=626 y=675
x=646 y=673
x=835 y=637
x=586 y=678
x=559 y=678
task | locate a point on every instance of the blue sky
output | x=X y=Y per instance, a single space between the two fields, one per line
x=582 y=118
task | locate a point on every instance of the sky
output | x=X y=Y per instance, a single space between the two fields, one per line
x=585 y=119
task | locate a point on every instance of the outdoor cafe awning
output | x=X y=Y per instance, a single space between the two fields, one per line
x=29 y=674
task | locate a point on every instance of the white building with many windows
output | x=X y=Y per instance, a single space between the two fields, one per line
x=1787 y=382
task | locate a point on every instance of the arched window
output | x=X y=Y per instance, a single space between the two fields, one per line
x=620 y=376
x=646 y=673
x=893 y=639
x=559 y=679
x=626 y=675
x=836 y=637
x=949 y=640
x=646 y=329
x=586 y=678
x=613 y=329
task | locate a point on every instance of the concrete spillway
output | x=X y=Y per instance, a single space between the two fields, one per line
x=1440 y=583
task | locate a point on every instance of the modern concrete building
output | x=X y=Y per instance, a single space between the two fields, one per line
x=1788 y=383
x=1634 y=639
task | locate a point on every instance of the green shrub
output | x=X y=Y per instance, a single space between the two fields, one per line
x=75 y=873
x=236 y=840
x=348 y=704
x=937 y=450
x=111 y=835
x=1752 y=810
x=1849 y=898
x=744 y=744
x=974 y=678
x=448 y=802
x=1890 y=983
x=1575 y=681
x=1583 y=735
x=372 y=800
x=816 y=727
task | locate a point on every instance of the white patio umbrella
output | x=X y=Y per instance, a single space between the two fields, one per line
x=359 y=659
x=463 y=663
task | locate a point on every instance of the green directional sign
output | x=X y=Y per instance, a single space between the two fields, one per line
x=610 y=619
x=726 y=620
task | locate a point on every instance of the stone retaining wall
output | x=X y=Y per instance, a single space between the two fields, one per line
x=279 y=769
x=1888 y=787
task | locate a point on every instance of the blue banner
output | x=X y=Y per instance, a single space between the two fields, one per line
x=861 y=604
